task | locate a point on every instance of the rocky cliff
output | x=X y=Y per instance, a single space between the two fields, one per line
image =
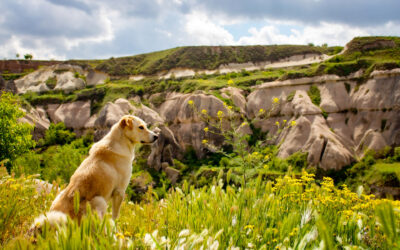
x=350 y=117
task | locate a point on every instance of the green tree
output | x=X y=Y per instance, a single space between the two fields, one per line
x=15 y=136
x=28 y=56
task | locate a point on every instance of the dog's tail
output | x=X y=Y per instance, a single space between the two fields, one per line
x=52 y=218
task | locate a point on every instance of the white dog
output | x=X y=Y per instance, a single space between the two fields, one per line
x=104 y=175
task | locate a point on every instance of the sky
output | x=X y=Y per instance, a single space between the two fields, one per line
x=95 y=29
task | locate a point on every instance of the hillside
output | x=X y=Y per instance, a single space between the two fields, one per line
x=259 y=146
x=200 y=57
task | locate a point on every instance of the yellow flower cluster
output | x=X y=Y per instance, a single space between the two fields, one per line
x=220 y=114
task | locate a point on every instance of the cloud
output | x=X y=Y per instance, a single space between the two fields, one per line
x=64 y=29
x=202 y=31
x=335 y=34
x=354 y=12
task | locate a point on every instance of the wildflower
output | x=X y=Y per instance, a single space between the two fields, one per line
x=230 y=82
x=284 y=121
x=204 y=141
x=230 y=107
x=127 y=234
x=276 y=100
x=190 y=102
x=249 y=227
x=293 y=123
x=265 y=166
x=277 y=123
x=206 y=129
x=243 y=124
x=266 y=157
x=120 y=235
x=261 y=111
x=220 y=114
x=204 y=112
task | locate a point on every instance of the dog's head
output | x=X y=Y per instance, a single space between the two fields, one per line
x=135 y=129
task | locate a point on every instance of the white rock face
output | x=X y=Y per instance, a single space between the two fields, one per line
x=37 y=118
x=359 y=117
x=41 y=80
x=94 y=78
x=74 y=115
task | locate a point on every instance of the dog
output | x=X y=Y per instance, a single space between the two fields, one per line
x=103 y=176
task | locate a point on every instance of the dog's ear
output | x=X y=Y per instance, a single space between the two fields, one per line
x=126 y=122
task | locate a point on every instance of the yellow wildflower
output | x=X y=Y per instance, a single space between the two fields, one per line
x=230 y=82
x=249 y=227
x=266 y=157
x=261 y=111
x=284 y=121
x=276 y=100
x=293 y=123
x=277 y=123
x=206 y=129
x=120 y=235
x=190 y=102
x=204 y=141
x=243 y=124
x=230 y=107
x=204 y=112
x=220 y=114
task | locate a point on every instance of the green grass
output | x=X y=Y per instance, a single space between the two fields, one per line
x=199 y=57
x=291 y=212
x=314 y=95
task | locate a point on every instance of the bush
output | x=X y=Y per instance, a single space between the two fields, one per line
x=314 y=95
x=15 y=136
x=58 y=134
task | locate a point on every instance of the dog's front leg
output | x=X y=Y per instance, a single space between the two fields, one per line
x=117 y=198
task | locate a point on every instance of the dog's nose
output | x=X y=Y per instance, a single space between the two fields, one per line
x=155 y=137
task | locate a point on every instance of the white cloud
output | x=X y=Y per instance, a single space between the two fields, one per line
x=202 y=31
x=331 y=33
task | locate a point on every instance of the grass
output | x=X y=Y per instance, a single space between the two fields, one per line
x=199 y=57
x=314 y=95
x=291 y=212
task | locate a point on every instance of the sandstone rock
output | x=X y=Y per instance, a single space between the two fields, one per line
x=94 y=78
x=371 y=140
x=163 y=149
x=64 y=74
x=185 y=120
x=73 y=115
x=172 y=174
x=68 y=82
x=112 y=112
x=8 y=86
x=39 y=120
x=148 y=115
x=237 y=96
x=312 y=135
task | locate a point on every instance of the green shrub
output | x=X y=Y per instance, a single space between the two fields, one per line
x=291 y=95
x=15 y=136
x=51 y=82
x=314 y=95
x=58 y=134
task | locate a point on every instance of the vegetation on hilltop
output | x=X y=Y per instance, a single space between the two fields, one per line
x=200 y=57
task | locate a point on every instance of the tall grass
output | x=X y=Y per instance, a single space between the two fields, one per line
x=297 y=213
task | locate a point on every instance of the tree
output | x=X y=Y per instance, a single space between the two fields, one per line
x=17 y=55
x=15 y=136
x=28 y=56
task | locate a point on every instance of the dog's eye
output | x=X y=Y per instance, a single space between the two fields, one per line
x=141 y=127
